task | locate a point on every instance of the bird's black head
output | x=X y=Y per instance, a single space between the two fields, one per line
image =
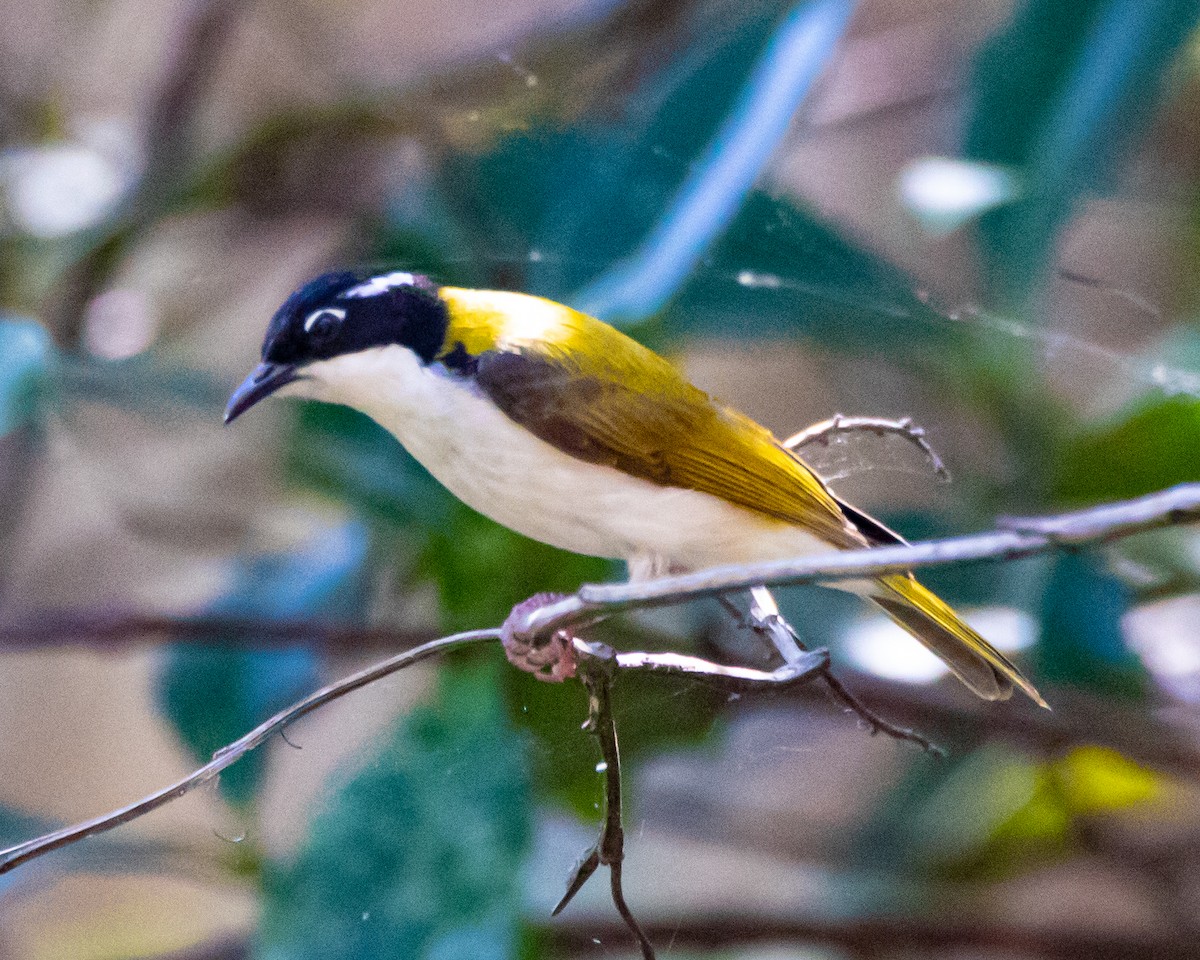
x=344 y=313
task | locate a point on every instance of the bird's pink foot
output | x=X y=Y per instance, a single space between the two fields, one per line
x=551 y=659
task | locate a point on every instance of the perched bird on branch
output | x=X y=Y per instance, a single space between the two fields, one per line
x=561 y=427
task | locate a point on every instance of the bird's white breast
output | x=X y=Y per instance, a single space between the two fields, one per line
x=502 y=470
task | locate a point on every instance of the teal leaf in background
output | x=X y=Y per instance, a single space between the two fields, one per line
x=149 y=384
x=27 y=355
x=779 y=270
x=1082 y=644
x=719 y=182
x=418 y=855
x=1060 y=96
x=213 y=695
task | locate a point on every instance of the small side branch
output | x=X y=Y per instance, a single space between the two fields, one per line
x=597 y=674
x=826 y=430
x=766 y=619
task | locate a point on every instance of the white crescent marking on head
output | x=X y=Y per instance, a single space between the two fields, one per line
x=381 y=284
x=312 y=317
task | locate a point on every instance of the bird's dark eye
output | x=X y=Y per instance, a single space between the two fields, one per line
x=322 y=324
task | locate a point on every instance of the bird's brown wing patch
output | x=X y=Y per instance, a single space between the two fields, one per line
x=644 y=418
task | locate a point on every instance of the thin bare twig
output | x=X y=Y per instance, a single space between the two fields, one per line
x=905 y=427
x=734 y=677
x=597 y=667
x=1078 y=718
x=766 y=620
x=56 y=628
x=1152 y=310
x=597 y=675
x=13 y=857
x=189 y=65
x=937 y=933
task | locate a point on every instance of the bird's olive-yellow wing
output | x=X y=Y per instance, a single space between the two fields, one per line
x=596 y=394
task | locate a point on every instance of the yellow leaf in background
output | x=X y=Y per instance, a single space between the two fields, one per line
x=1097 y=779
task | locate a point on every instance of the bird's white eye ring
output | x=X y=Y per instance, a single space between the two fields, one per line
x=314 y=320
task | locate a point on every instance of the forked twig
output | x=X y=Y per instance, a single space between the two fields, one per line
x=1020 y=537
x=1174 y=506
x=597 y=675
x=765 y=619
x=598 y=666
x=740 y=678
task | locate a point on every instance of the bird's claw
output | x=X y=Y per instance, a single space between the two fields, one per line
x=551 y=659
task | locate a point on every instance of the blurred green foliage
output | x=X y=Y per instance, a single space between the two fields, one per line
x=583 y=196
x=1151 y=447
x=1081 y=641
x=213 y=696
x=1000 y=813
x=418 y=853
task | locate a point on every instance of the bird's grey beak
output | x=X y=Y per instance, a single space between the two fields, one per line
x=265 y=380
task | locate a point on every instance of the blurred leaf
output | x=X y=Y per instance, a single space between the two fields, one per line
x=214 y=695
x=1100 y=780
x=985 y=790
x=27 y=355
x=150 y=384
x=779 y=269
x=1086 y=782
x=418 y=854
x=1082 y=643
x=1154 y=447
x=1060 y=96
x=998 y=812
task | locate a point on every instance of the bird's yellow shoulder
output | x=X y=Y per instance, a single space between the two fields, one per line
x=483 y=320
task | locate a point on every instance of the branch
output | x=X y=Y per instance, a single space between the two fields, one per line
x=766 y=620
x=922 y=936
x=1078 y=718
x=190 y=63
x=1174 y=506
x=597 y=675
x=108 y=628
x=1017 y=538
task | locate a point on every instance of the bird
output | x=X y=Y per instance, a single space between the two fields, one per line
x=566 y=430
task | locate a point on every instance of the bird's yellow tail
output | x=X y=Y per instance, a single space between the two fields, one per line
x=976 y=662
